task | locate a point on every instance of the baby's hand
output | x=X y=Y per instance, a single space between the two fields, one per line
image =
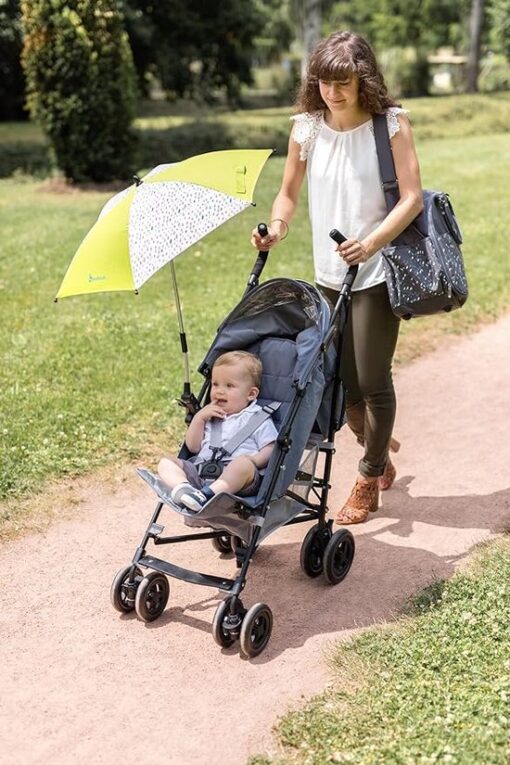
x=210 y=411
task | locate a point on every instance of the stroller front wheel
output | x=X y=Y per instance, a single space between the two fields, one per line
x=124 y=587
x=224 y=627
x=338 y=556
x=152 y=596
x=256 y=630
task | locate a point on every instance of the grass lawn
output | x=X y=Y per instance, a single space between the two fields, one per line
x=91 y=380
x=170 y=133
x=432 y=688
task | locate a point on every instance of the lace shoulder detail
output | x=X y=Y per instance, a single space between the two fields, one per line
x=305 y=130
x=391 y=119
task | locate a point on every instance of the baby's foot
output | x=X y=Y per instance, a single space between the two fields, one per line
x=193 y=499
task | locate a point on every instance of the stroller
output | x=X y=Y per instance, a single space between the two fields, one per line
x=297 y=336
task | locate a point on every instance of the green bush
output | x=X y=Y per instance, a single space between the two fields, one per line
x=406 y=72
x=494 y=74
x=81 y=84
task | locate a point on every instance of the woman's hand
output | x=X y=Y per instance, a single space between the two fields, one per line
x=265 y=243
x=353 y=251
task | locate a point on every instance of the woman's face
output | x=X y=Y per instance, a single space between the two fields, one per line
x=339 y=95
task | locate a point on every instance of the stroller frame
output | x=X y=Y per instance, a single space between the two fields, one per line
x=322 y=550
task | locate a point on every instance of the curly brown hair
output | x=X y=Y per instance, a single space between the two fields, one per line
x=338 y=57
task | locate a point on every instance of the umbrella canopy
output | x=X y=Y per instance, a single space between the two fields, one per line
x=157 y=218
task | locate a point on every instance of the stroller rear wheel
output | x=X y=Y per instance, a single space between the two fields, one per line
x=256 y=630
x=152 y=596
x=124 y=587
x=312 y=550
x=223 y=544
x=225 y=626
x=338 y=556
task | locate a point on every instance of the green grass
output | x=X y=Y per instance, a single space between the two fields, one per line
x=432 y=688
x=91 y=380
x=167 y=136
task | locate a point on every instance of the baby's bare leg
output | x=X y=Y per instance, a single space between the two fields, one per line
x=236 y=476
x=170 y=470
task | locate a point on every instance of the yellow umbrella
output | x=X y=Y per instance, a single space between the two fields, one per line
x=160 y=216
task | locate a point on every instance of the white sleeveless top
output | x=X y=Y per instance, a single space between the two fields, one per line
x=344 y=192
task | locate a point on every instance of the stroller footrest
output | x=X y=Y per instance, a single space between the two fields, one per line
x=185 y=574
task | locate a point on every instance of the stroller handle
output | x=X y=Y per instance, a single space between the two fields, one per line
x=260 y=262
x=345 y=289
x=353 y=270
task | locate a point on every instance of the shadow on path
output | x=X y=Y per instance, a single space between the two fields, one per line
x=411 y=542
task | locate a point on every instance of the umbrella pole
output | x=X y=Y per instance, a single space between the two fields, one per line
x=187 y=399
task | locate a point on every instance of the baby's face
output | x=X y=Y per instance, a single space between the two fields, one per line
x=232 y=388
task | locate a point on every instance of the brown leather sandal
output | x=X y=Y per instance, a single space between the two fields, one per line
x=388 y=477
x=364 y=499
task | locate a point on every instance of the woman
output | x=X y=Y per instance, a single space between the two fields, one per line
x=332 y=141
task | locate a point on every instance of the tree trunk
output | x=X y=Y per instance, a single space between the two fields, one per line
x=310 y=17
x=475 y=38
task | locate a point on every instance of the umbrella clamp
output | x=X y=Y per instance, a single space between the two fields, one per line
x=190 y=403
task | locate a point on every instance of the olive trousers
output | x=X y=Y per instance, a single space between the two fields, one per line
x=368 y=346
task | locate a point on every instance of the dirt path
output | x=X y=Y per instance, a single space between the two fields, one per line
x=82 y=684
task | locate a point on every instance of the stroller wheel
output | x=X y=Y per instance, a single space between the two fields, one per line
x=225 y=630
x=124 y=587
x=152 y=596
x=256 y=630
x=338 y=556
x=312 y=550
x=222 y=544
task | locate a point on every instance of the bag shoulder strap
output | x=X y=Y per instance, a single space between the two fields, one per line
x=389 y=180
x=256 y=419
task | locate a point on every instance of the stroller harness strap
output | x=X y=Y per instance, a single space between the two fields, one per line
x=240 y=437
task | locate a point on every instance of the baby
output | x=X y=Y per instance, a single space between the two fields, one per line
x=235 y=385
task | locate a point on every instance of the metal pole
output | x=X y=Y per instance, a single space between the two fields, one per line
x=182 y=333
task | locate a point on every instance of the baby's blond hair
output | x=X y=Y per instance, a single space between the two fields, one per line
x=251 y=364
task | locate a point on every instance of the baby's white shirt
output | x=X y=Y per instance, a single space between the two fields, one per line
x=265 y=434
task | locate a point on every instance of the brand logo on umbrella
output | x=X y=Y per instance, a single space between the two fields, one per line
x=96 y=277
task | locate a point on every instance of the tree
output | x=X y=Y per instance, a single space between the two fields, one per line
x=80 y=84
x=308 y=18
x=475 y=41
x=499 y=18
x=194 y=47
x=12 y=82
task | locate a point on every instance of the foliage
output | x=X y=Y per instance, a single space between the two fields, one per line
x=12 y=83
x=426 y=24
x=438 y=688
x=80 y=84
x=499 y=16
x=275 y=33
x=194 y=47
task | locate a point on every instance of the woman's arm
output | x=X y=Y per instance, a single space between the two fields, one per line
x=285 y=203
x=407 y=208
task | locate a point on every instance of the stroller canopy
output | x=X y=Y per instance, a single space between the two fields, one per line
x=279 y=308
